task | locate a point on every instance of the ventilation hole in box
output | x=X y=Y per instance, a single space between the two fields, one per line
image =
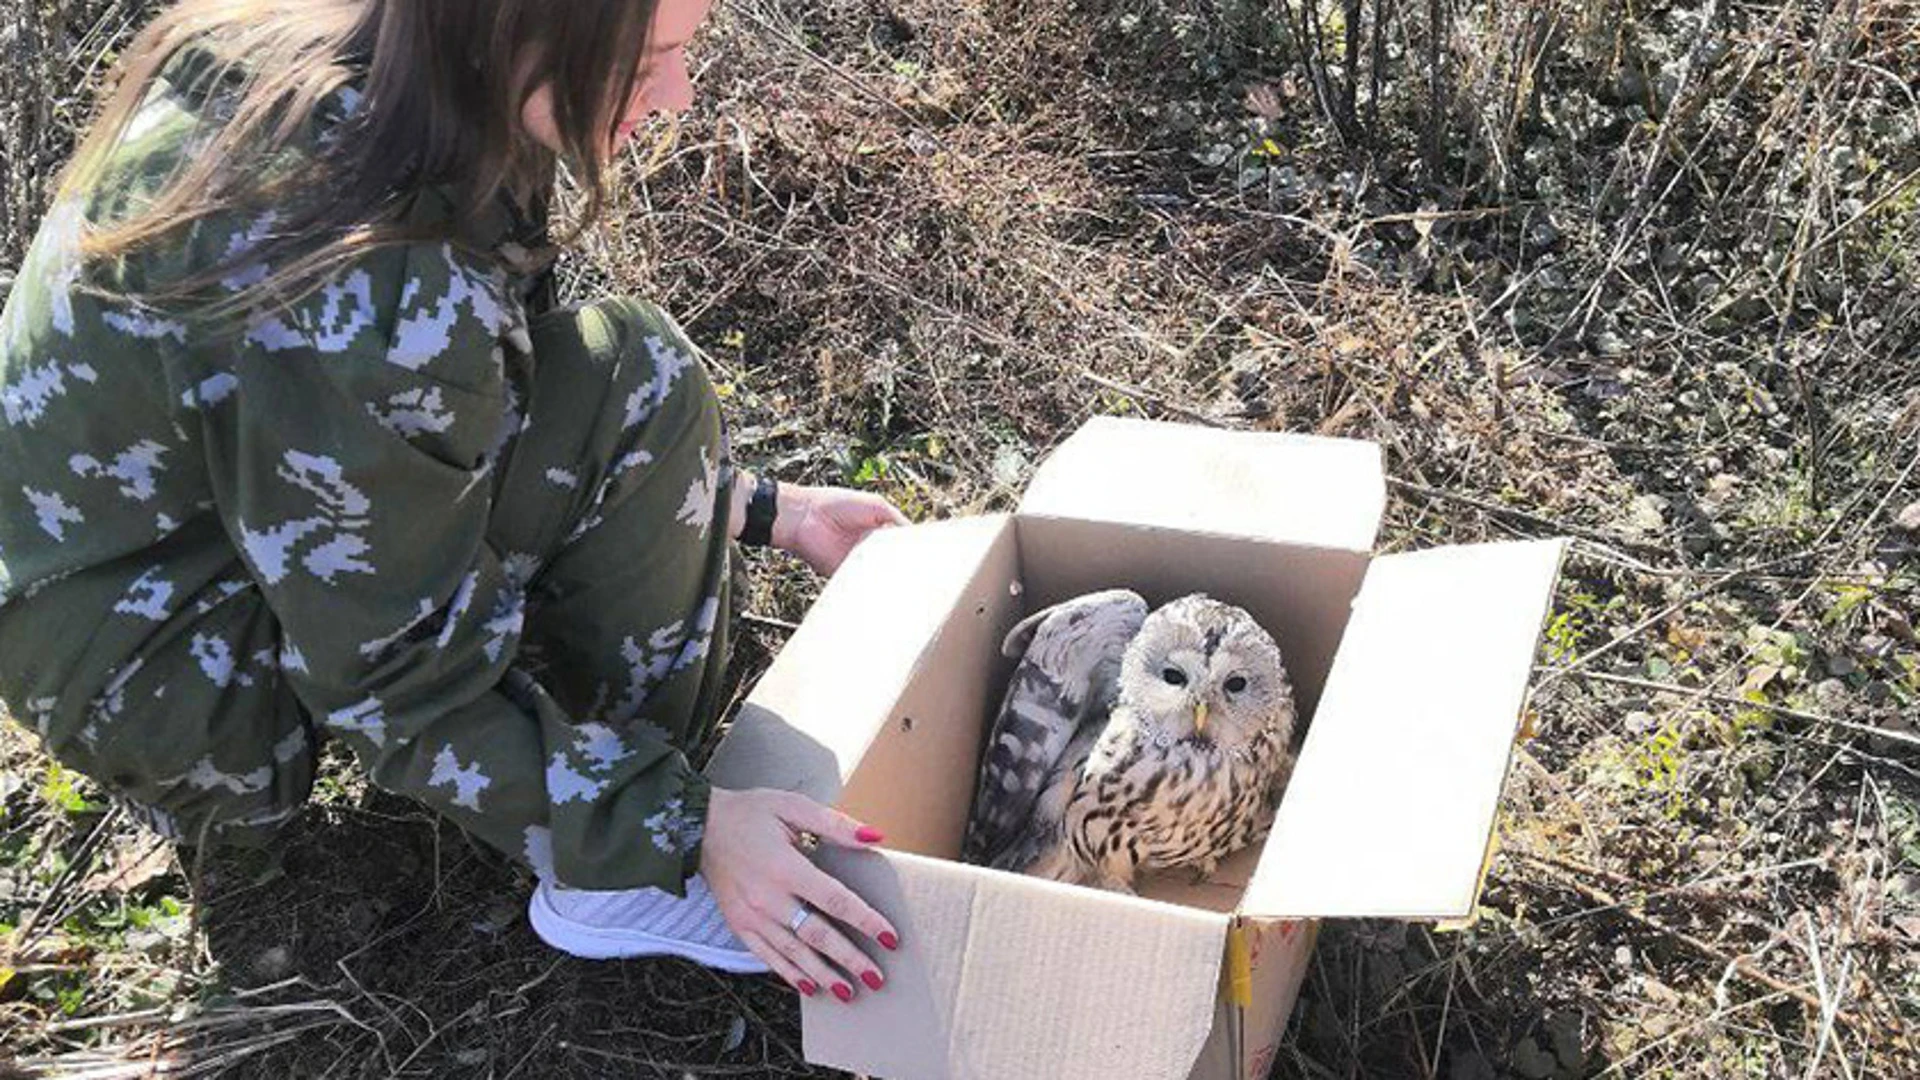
x=981 y=608
x=906 y=725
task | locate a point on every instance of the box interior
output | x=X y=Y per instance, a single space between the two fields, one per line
x=932 y=743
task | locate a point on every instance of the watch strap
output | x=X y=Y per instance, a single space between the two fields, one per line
x=762 y=507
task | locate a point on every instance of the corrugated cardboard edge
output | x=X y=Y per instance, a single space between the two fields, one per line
x=1297 y=489
x=1423 y=702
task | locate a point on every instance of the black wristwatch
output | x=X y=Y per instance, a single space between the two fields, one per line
x=762 y=507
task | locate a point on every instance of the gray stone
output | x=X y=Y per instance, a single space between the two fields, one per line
x=1830 y=695
x=1532 y=1062
x=1647 y=513
x=273 y=964
x=1564 y=1031
x=1904 y=887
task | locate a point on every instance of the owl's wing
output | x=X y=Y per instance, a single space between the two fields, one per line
x=1039 y=846
x=1066 y=680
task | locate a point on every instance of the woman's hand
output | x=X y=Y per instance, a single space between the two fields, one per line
x=822 y=524
x=760 y=880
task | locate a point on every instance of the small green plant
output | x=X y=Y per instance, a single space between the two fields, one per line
x=61 y=789
x=1847 y=601
x=1659 y=764
x=873 y=470
x=71 y=998
x=163 y=914
x=1563 y=637
x=1115 y=403
x=1569 y=629
x=1748 y=721
x=1779 y=648
x=1658 y=760
x=1787 y=505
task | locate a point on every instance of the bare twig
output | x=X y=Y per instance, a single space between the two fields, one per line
x=1144 y=394
x=1560 y=527
x=770 y=622
x=36 y=924
x=1747 y=703
x=1739 y=964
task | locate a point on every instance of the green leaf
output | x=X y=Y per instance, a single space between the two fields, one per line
x=62 y=789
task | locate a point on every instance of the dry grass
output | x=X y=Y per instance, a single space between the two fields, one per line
x=1642 y=277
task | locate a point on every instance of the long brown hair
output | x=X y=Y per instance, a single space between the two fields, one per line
x=441 y=87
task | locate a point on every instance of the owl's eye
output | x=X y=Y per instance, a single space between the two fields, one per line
x=1174 y=676
x=1236 y=684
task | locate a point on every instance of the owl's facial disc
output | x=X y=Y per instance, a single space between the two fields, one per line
x=1205 y=674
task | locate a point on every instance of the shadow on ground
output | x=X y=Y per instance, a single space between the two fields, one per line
x=373 y=939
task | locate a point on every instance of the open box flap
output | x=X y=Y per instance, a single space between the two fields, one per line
x=1001 y=976
x=1298 y=489
x=1391 y=805
x=811 y=717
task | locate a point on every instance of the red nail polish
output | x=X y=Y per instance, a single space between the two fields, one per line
x=872 y=979
x=888 y=941
x=843 y=991
x=867 y=834
x=807 y=987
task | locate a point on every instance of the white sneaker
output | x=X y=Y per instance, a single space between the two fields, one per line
x=627 y=923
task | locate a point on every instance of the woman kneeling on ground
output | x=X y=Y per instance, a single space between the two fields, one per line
x=296 y=445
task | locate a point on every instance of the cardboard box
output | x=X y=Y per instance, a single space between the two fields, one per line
x=1411 y=670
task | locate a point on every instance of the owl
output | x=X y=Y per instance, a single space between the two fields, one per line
x=1130 y=741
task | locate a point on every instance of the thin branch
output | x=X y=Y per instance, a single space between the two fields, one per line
x=1764 y=706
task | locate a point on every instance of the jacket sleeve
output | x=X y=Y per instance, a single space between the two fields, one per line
x=351 y=442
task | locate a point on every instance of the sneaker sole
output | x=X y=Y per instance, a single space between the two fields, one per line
x=601 y=943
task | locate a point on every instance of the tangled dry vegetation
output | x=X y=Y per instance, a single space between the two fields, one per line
x=1641 y=275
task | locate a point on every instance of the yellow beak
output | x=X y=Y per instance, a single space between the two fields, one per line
x=1200 y=718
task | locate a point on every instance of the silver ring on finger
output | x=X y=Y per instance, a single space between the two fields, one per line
x=799 y=918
